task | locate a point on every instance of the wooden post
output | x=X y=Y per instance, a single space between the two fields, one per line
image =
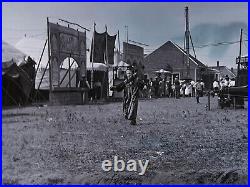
x=41 y=57
x=195 y=75
x=208 y=100
x=69 y=73
x=42 y=76
x=187 y=33
x=61 y=81
x=234 y=100
x=238 y=68
x=50 y=70
x=92 y=69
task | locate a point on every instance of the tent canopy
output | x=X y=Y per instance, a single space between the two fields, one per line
x=121 y=64
x=97 y=66
x=163 y=71
x=11 y=55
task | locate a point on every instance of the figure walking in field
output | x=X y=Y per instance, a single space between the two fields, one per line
x=131 y=86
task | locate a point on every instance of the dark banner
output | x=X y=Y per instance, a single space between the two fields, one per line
x=103 y=49
x=110 y=48
x=98 y=50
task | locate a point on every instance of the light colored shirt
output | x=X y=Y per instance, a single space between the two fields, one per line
x=231 y=83
x=188 y=90
x=215 y=84
x=226 y=83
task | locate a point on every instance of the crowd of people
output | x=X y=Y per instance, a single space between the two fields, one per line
x=134 y=87
x=167 y=88
x=158 y=87
x=224 y=82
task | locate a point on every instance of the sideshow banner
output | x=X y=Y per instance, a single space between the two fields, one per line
x=102 y=48
x=66 y=42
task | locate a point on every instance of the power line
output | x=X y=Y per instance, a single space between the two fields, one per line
x=218 y=44
x=210 y=45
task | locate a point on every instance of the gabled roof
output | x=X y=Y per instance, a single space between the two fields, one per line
x=161 y=58
x=170 y=43
x=192 y=58
x=224 y=71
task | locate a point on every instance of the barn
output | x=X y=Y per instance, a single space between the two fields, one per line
x=172 y=57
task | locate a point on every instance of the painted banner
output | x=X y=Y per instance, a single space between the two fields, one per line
x=66 y=42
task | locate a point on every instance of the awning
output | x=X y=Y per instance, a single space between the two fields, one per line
x=121 y=64
x=163 y=71
x=97 y=66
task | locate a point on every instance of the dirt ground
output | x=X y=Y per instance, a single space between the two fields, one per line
x=183 y=141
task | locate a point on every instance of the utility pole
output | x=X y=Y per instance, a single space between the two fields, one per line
x=126 y=27
x=92 y=64
x=238 y=68
x=49 y=62
x=187 y=34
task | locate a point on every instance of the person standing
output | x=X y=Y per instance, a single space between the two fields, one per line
x=170 y=89
x=215 y=86
x=226 y=81
x=188 y=90
x=193 y=88
x=151 y=88
x=183 y=88
x=156 y=87
x=232 y=82
x=131 y=86
x=84 y=84
x=198 y=87
x=177 y=87
x=202 y=87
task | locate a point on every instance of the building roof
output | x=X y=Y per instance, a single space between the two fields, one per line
x=192 y=58
x=224 y=71
x=161 y=58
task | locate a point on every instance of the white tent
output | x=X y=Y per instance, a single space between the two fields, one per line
x=121 y=64
x=163 y=71
x=11 y=55
x=33 y=47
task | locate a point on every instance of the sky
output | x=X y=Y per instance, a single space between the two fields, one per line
x=149 y=23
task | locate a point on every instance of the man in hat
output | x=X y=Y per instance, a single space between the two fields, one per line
x=131 y=86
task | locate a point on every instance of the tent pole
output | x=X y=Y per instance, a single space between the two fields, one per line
x=42 y=76
x=69 y=72
x=41 y=57
x=92 y=65
x=66 y=73
x=71 y=78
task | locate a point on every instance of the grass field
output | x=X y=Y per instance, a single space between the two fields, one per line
x=183 y=141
